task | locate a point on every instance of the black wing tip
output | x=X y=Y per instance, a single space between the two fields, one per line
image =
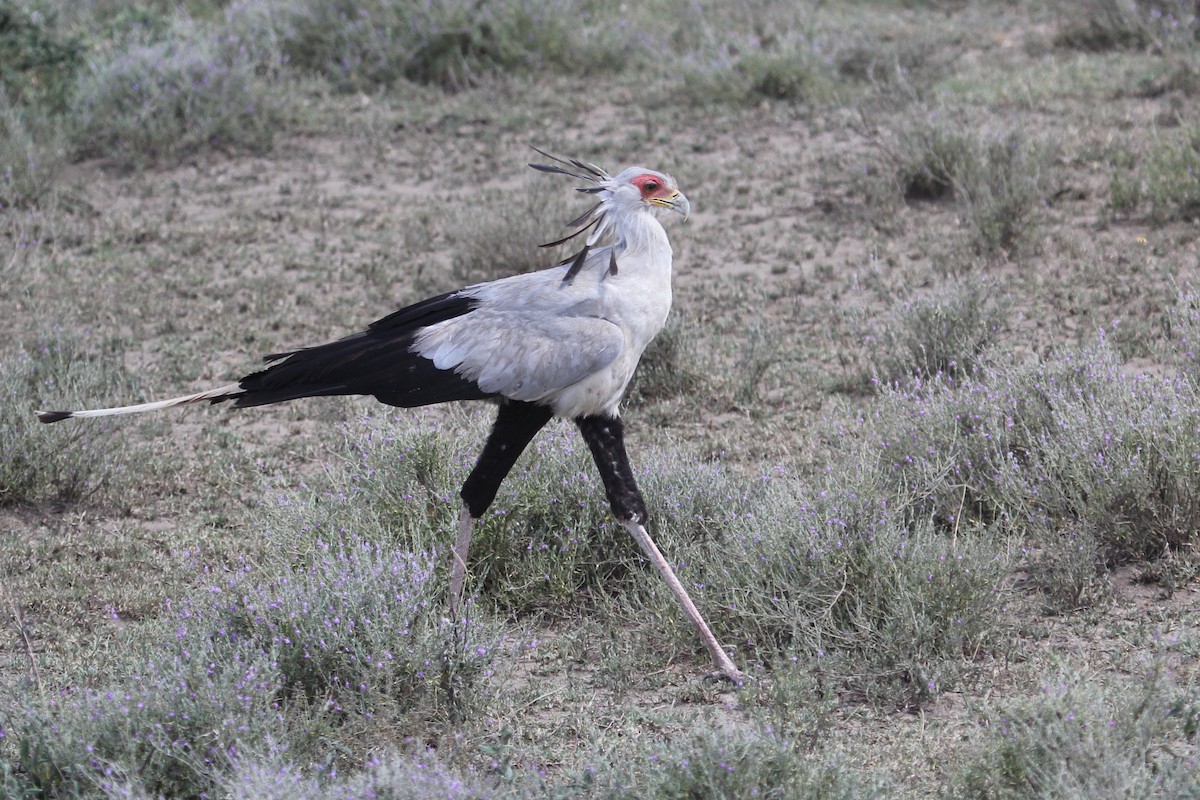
x=54 y=416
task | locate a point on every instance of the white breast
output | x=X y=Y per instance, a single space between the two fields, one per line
x=573 y=346
x=637 y=300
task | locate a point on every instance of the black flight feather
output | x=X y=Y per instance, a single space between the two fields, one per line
x=378 y=361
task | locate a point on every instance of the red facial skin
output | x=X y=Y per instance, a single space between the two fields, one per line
x=652 y=186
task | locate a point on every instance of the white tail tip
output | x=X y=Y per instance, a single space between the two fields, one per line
x=212 y=396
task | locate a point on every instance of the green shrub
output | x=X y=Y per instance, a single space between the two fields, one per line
x=761 y=350
x=1124 y=191
x=668 y=366
x=790 y=75
x=354 y=45
x=1181 y=343
x=450 y=43
x=997 y=180
x=165 y=98
x=825 y=571
x=1105 y=25
x=357 y=628
x=172 y=727
x=250 y=670
x=1100 y=25
x=1068 y=569
x=749 y=51
x=901 y=66
x=786 y=68
x=423 y=776
x=37 y=65
x=548 y=539
x=1080 y=740
x=32 y=147
x=543 y=538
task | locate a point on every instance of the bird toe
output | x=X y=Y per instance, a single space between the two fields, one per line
x=731 y=675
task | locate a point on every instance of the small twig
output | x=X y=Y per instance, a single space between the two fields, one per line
x=958 y=518
x=19 y=622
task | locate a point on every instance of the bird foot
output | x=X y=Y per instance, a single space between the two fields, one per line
x=728 y=675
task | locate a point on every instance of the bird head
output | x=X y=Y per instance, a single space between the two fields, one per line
x=633 y=190
x=640 y=188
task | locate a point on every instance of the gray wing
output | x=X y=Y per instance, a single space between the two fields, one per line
x=521 y=356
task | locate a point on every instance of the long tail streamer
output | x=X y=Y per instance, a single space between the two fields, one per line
x=211 y=396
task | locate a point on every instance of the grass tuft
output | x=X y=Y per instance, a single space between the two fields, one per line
x=949 y=332
x=493 y=245
x=1068 y=569
x=1001 y=191
x=750 y=52
x=548 y=540
x=1103 y=25
x=929 y=156
x=64 y=463
x=1074 y=445
x=1106 y=25
x=998 y=180
x=1181 y=345
x=356 y=629
x=172 y=728
x=248 y=670
x=889 y=610
x=1172 y=178
x=422 y=776
x=790 y=71
x=668 y=366
x=1124 y=191
x=715 y=763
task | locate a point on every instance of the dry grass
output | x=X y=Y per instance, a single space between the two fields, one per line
x=913 y=486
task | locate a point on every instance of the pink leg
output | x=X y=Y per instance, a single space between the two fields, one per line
x=723 y=663
x=458 y=559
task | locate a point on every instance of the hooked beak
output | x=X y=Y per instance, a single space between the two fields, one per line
x=677 y=202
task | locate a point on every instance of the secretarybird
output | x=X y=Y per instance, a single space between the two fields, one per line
x=558 y=342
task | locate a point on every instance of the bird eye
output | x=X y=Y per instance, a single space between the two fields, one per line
x=649 y=187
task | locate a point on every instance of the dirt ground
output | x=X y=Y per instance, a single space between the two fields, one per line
x=797 y=242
